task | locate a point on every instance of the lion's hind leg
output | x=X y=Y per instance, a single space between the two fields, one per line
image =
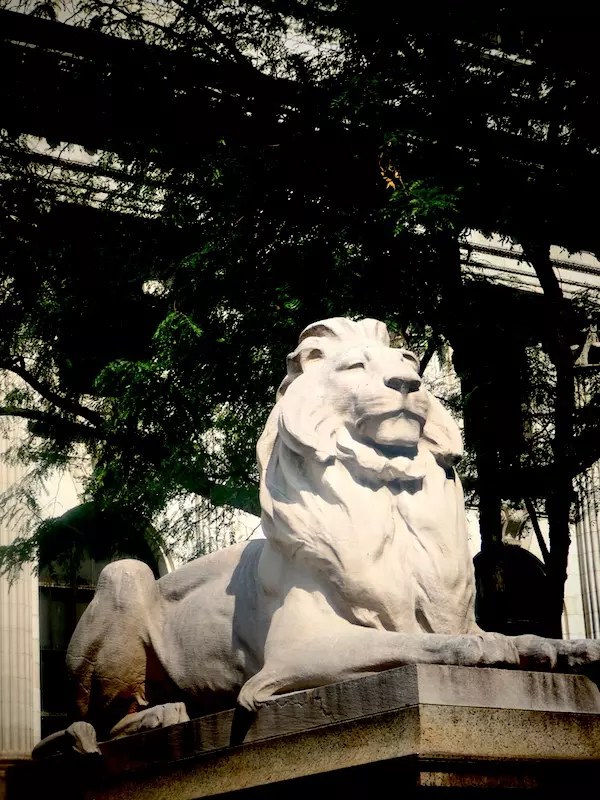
x=111 y=651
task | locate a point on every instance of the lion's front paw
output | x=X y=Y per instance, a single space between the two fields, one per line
x=577 y=655
x=488 y=650
x=79 y=737
x=536 y=653
x=83 y=737
x=149 y=718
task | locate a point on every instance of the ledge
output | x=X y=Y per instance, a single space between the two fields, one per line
x=424 y=725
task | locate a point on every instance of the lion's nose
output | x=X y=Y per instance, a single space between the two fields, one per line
x=402 y=377
x=400 y=370
x=403 y=383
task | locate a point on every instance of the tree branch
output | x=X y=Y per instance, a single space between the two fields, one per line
x=429 y=353
x=538 y=531
x=26 y=413
x=168 y=32
x=65 y=404
x=77 y=430
x=239 y=58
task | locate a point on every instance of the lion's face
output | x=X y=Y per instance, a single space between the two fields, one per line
x=376 y=391
x=349 y=396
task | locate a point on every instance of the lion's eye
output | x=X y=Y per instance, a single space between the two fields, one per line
x=356 y=365
x=410 y=357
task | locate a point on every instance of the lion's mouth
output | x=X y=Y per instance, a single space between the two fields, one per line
x=391 y=451
x=395 y=414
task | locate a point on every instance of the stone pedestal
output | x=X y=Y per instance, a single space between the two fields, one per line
x=408 y=729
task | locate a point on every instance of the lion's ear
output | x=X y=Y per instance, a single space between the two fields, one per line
x=301 y=358
x=309 y=352
x=441 y=434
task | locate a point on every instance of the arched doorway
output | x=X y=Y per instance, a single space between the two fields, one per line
x=74 y=548
x=511 y=591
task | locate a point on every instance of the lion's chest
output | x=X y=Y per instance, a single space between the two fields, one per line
x=431 y=538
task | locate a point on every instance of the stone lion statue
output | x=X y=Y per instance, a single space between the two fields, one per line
x=364 y=565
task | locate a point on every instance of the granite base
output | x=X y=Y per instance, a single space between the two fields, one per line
x=420 y=728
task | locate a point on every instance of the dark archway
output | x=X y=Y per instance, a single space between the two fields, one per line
x=74 y=548
x=511 y=591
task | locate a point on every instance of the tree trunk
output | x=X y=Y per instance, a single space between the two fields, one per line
x=478 y=410
x=490 y=502
x=560 y=492
x=481 y=435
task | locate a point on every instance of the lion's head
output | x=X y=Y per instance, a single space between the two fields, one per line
x=347 y=392
x=352 y=441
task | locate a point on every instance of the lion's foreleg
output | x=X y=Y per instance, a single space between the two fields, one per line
x=345 y=651
x=308 y=644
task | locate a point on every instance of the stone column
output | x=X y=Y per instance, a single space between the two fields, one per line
x=588 y=549
x=19 y=645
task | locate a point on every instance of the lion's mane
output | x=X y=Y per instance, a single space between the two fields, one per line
x=343 y=509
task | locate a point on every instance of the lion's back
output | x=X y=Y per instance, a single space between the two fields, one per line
x=214 y=568
x=211 y=611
